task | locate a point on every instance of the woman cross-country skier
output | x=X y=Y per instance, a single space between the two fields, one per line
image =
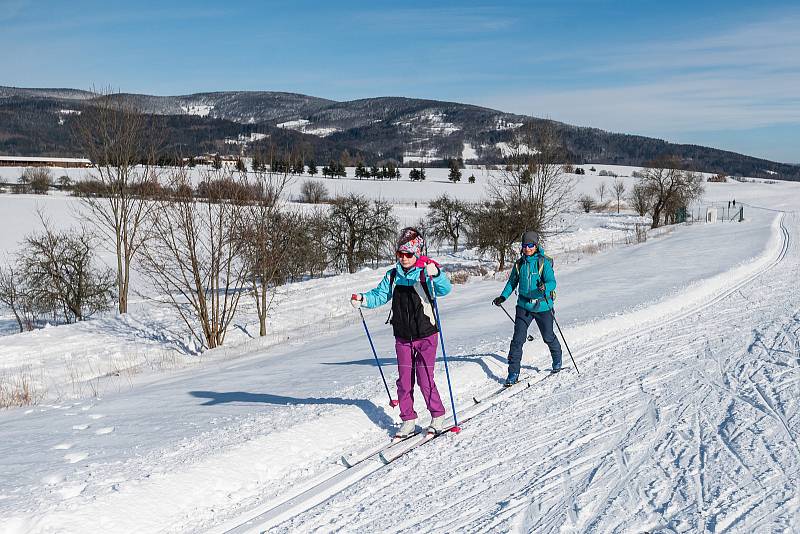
x=414 y=325
x=533 y=277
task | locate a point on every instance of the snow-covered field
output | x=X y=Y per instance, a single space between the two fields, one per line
x=683 y=418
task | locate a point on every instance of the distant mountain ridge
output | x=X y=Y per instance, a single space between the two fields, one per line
x=373 y=129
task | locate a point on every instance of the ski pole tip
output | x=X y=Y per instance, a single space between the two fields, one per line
x=455 y=429
x=394 y=403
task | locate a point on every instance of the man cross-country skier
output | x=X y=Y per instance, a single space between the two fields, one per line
x=533 y=277
x=414 y=325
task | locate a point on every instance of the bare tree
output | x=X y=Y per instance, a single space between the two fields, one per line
x=122 y=145
x=266 y=234
x=39 y=179
x=668 y=186
x=358 y=230
x=446 y=219
x=587 y=203
x=194 y=257
x=14 y=294
x=619 y=190
x=601 y=191
x=55 y=275
x=304 y=255
x=313 y=192
x=640 y=199
x=493 y=229
x=533 y=187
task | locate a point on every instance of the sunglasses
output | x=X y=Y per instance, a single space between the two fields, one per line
x=528 y=245
x=405 y=254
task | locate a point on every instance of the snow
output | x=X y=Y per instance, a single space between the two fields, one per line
x=507 y=149
x=503 y=124
x=433 y=122
x=322 y=131
x=302 y=125
x=683 y=418
x=201 y=110
x=424 y=156
x=293 y=125
x=243 y=139
x=469 y=153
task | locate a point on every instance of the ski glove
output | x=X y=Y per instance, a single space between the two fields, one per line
x=540 y=286
x=356 y=300
x=499 y=300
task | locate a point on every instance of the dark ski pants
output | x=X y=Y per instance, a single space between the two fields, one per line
x=522 y=320
x=416 y=359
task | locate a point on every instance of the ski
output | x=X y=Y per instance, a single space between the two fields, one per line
x=388 y=452
x=351 y=460
x=522 y=383
x=397 y=450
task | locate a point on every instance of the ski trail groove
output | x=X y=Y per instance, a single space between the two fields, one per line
x=613 y=486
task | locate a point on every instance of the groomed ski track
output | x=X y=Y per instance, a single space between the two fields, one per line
x=702 y=432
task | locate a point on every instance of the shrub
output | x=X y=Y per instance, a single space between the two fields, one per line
x=313 y=192
x=587 y=203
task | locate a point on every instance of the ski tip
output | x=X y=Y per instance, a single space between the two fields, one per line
x=394 y=403
x=345 y=463
x=455 y=429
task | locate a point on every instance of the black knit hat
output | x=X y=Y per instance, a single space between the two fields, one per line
x=530 y=237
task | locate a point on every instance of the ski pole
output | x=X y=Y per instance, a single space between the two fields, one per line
x=553 y=313
x=456 y=429
x=530 y=337
x=392 y=402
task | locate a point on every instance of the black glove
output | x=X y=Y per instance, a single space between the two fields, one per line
x=499 y=300
x=540 y=286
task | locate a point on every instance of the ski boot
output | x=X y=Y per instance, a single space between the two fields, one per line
x=512 y=379
x=437 y=425
x=408 y=428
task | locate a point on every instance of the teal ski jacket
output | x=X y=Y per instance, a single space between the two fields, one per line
x=525 y=276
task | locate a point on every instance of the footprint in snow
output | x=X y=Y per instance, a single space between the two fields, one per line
x=62 y=447
x=80 y=427
x=96 y=416
x=106 y=430
x=75 y=457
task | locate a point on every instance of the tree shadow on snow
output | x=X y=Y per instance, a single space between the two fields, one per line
x=471 y=358
x=375 y=413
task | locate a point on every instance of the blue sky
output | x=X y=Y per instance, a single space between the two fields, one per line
x=724 y=74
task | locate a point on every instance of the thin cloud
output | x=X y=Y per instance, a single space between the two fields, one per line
x=439 y=20
x=741 y=78
x=11 y=9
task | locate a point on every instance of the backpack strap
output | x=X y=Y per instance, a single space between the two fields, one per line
x=423 y=281
x=392 y=276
